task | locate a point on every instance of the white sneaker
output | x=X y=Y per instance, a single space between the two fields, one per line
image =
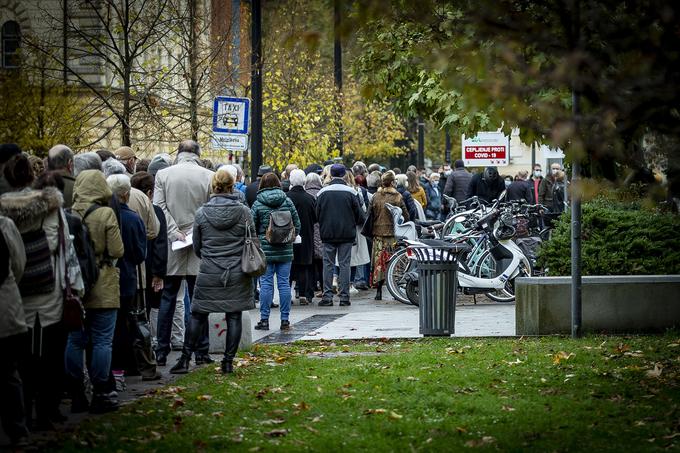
x=353 y=290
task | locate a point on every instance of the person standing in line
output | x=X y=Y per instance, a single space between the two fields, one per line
x=339 y=213
x=312 y=187
x=402 y=187
x=221 y=287
x=179 y=191
x=60 y=159
x=91 y=196
x=434 y=199
x=272 y=198
x=416 y=189
x=519 y=189
x=253 y=188
x=535 y=183
x=458 y=181
x=546 y=188
x=303 y=253
x=487 y=186
x=383 y=228
x=12 y=331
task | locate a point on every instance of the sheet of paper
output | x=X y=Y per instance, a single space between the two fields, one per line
x=298 y=240
x=188 y=240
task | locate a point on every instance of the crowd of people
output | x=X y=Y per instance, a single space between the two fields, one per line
x=109 y=262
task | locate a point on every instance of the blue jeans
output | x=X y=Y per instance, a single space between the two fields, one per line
x=99 y=328
x=282 y=271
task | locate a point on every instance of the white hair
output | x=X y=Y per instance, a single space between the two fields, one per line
x=119 y=184
x=86 y=161
x=113 y=167
x=297 y=178
x=313 y=177
x=402 y=180
x=233 y=171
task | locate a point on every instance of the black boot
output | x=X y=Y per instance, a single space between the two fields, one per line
x=378 y=293
x=263 y=324
x=227 y=366
x=182 y=365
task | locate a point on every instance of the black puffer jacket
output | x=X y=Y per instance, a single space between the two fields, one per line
x=486 y=190
x=219 y=232
x=339 y=212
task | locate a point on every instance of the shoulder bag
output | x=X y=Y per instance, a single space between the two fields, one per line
x=253 y=261
x=73 y=315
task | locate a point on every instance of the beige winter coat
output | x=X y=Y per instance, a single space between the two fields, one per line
x=91 y=188
x=12 y=317
x=179 y=191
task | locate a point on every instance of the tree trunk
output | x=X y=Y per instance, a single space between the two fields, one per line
x=193 y=76
x=127 y=70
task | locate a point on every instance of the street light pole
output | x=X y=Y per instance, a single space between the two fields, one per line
x=337 y=60
x=256 y=87
x=576 y=283
x=420 y=162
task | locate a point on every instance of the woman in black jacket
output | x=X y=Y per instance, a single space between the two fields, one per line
x=303 y=253
x=221 y=287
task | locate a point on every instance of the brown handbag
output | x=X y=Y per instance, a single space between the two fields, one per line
x=253 y=261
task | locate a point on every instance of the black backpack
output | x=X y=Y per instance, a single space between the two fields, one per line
x=281 y=229
x=84 y=246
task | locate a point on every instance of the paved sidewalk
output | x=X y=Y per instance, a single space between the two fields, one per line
x=367 y=318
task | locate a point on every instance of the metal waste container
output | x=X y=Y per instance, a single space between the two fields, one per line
x=437 y=287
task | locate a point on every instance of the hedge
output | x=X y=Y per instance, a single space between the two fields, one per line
x=618 y=239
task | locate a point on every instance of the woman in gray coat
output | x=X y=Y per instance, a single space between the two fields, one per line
x=221 y=287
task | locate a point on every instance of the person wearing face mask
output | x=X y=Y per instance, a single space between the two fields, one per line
x=487 y=186
x=545 y=189
x=536 y=178
x=507 y=179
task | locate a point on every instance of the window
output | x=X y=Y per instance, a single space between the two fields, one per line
x=11 y=41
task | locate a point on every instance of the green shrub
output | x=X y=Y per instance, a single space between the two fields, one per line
x=618 y=239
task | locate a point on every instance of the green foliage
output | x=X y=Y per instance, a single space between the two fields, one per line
x=38 y=113
x=618 y=239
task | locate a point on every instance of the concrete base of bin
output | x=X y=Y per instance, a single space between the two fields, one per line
x=616 y=304
x=217 y=331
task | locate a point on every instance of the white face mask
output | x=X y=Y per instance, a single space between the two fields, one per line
x=507 y=183
x=537 y=173
x=447 y=172
x=554 y=171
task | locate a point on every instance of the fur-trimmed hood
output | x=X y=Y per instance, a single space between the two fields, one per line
x=28 y=207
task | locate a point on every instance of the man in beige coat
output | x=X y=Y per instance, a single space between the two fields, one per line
x=179 y=191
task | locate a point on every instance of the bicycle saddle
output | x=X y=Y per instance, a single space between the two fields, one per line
x=427 y=223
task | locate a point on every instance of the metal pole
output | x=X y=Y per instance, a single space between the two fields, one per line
x=533 y=156
x=576 y=285
x=256 y=86
x=447 y=147
x=421 y=143
x=65 y=42
x=337 y=61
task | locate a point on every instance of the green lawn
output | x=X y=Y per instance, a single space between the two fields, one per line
x=539 y=394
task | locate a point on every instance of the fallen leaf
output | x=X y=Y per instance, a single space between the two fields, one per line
x=312 y=430
x=155 y=435
x=507 y=408
x=178 y=402
x=516 y=362
x=486 y=440
x=672 y=436
x=275 y=421
x=461 y=430
x=374 y=411
x=204 y=397
x=217 y=414
x=302 y=406
x=411 y=378
x=394 y=416
x=557 y=358
x=656 y=372
x=277 y=433
x=312 y=377
x=317 y=419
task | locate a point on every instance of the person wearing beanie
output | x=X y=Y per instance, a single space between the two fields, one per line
x=339 y=213
x=158 y=163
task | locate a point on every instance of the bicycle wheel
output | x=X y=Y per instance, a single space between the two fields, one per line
x=397 y=267
x=488 y=269
x=413 y=293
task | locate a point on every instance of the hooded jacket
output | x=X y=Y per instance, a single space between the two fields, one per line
x=457 y=184
x=31 y=210
x=91 y=188
x=486 y=190
x=219 y=235
x=268 y=200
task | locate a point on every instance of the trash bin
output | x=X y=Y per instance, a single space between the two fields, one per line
x=437 y=287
